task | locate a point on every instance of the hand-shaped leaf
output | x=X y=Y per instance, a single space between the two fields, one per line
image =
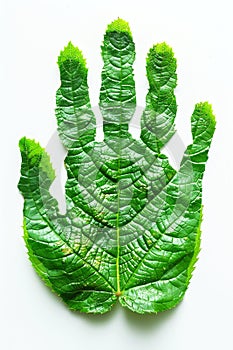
x=132 y=225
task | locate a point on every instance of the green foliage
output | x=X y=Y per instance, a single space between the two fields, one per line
x=131 y=231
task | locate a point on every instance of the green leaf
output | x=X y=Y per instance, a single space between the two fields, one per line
x=131 y=231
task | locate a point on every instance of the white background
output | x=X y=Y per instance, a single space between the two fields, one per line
x=32 y=34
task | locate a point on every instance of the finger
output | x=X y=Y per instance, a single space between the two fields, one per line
x=74 y=115
x=157 y=122
x=117 y=94
x=203 y=126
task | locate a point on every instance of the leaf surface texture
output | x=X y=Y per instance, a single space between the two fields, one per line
x=131 y=231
